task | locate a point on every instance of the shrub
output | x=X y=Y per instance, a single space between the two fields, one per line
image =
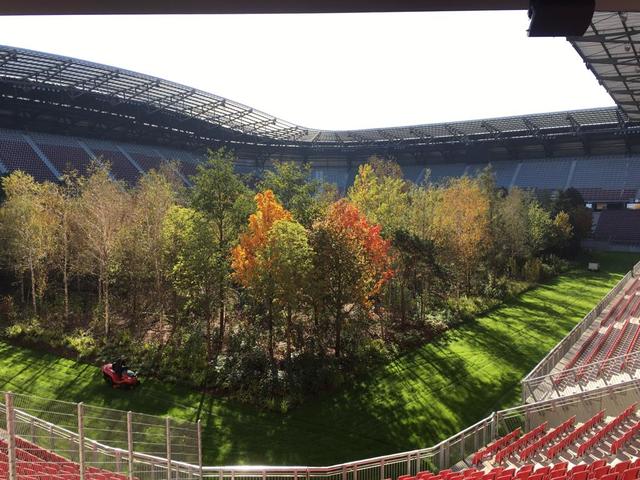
x=82 y=342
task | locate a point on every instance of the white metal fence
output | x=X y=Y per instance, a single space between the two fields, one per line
x=582 y=378
x=82 y=441
x=541 y=373
x=72 y=443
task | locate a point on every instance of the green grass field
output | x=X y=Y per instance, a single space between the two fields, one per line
x=414 y=401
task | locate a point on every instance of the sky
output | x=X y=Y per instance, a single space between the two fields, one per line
x=337 y=71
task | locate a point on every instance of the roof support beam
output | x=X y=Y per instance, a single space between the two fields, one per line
x=8 y=56
x=203 y=110
x=46 y=74
x=128 y=94
x=458 y=134
x=92 y=84
x=171 y=100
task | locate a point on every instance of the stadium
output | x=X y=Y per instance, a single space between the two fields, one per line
x=577 y=419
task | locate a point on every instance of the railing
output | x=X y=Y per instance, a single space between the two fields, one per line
x=582 y=378
x=169 y=440
x=549 y=362
x=449 y=453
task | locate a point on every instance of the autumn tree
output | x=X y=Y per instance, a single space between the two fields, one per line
x=60 y=202
x=102 y=215
x=351 y=262
x=28 y=230
x=380 y=192
x=288 y=256
x=460 y=226
x=252 y=263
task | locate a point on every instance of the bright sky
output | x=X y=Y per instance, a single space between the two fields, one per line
x=341 y=71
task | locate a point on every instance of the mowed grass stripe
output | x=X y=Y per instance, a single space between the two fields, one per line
x=414 y=401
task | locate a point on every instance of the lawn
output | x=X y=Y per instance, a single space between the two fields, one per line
x=417 y=400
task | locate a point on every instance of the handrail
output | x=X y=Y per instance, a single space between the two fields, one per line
x=562 y=347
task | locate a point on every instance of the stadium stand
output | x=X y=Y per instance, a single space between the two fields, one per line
x=603 y=178
x=619 y=226
x=36 y=463
x=17 y=154
x=543 y=174
x=613 y=336
x=439 y=173
x=66 y=154
x=569 y=441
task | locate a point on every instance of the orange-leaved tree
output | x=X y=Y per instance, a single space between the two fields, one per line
x=251 y=267
x=352 y=261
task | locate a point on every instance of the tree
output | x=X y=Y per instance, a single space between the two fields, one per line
x=417 y=271
x=288 y=256
x=512 y=236
x=561 y=231
x=225 y=201
x=381 y=194
x=539 y=231
x=59 y=202
x=28 y=230
x=460 y=226
x=251 y=265
x=570 y=201
x=293 y=187
x=188 y=240
x=351 y=261
x=102 y=216
x=142 y=243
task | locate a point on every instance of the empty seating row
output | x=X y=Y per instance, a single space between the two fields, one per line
x=574 y=435
x=597 y=470
x=618 y=226
x=520 y=443
x=495 y=446
x=620 y=338
x=546 y=439
x=37 y=463
x=46 y=157
x=604 y=431
x=628 y=435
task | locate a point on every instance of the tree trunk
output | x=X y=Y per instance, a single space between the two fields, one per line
x=33 y=287
x=22 y=296
x=271 y=349
x=209 y=336
x=107 y=325
x=289 y=318
x=338 y=327
x=65 y=281
x=221 y=317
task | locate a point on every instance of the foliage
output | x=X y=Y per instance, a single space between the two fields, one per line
x=381 y=194
x=271 y=295
x=292 y=185
x=430 y=392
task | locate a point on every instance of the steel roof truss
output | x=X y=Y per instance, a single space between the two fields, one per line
x=171 y=100
x=127 y=94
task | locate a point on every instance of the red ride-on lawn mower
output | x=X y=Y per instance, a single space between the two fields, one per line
x=117 y=374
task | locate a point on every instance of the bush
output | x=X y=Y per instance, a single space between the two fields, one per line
x=495 y=287
x=552 y=265
x=533 y=270
x=82 y=342
x=29 y=330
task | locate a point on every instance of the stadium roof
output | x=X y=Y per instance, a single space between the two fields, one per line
x=610 y=48
x=65 y=7
x=65 y=90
